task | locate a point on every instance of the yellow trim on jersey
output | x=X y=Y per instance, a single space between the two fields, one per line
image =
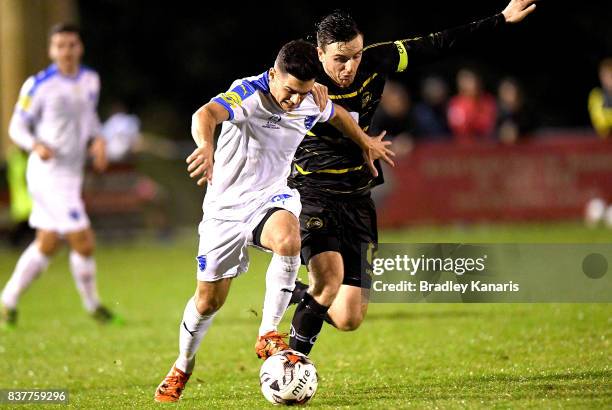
x=354 y=93
x=312 y=134
x=327 y=171
x=24 y=102
x=403 y=56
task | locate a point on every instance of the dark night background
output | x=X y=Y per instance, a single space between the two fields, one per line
x=165 y=60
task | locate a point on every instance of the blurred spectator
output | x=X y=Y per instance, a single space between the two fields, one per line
x=430 y=114
x=124 y=138
x=600 y=101
x=471 y=113
x=124 y=145
x=394 y=116
x=514 y=121
x=121 y=132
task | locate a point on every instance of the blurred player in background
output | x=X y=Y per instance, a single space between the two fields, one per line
x=600 y=101
x=55 y=120
x=248 y=202
x=338 y=216
x=600 y=110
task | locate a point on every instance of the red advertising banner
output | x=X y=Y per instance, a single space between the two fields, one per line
x=545 y=179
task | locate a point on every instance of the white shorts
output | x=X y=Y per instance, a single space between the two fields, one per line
x=58 y=208
x=223 y=245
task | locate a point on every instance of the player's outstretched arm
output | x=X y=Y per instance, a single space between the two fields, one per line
x=373 y=147
x=384 y=57
x=203 y=124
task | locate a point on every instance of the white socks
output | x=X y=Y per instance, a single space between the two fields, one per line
x=84 y=273
x=29 y=266
x=192 y=330
x=280 y=281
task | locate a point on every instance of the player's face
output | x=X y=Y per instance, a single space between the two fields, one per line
x=468 y=83
x=66 y=50
x=341 y=60
x=605 y=76
x=287 y=90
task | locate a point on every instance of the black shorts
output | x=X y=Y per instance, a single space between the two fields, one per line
x=344 y=225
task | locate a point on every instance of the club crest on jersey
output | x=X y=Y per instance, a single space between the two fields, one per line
x=365 y=99
x=309 y=121
x=201 y=263
x=280 y=198
x=314 y=223
x=273 y=122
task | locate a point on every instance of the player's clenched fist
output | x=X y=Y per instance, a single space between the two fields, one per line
x=201 y=164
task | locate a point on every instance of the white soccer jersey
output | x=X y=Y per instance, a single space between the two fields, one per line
x=60 y=112
x=255 y=148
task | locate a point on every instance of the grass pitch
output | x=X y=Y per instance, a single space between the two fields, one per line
x=403 y=356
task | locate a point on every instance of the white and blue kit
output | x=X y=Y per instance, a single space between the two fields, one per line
x=60 y=112
x=252 y=162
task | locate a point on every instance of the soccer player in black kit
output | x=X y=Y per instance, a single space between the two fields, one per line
x=338 y=216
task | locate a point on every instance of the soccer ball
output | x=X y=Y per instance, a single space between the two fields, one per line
x=288 y=377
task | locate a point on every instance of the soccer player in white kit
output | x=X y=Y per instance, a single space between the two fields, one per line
x=248 y=201
x=56 y=121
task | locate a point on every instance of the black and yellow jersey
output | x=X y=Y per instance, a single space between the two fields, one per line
x=600 y=110
x=330 y=163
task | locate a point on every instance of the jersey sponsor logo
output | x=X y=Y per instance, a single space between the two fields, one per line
x=309 y=121
x=314 y=223
x=280 y=197
x=201 y=262
x=272 y=122
x=232 y=98
x=74 y=214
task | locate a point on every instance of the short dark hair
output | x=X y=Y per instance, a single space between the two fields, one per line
x=337 y=27
x=64 y=28
x=300 y=59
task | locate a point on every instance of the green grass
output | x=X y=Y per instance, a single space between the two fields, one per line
x=403 y=356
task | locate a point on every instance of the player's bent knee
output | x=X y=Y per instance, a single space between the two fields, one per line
x=325 y=291
x=208 y=305
x=83 y=242
x=47 y=242
x=85 y=250
x=348 y=324
x=287 y=245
